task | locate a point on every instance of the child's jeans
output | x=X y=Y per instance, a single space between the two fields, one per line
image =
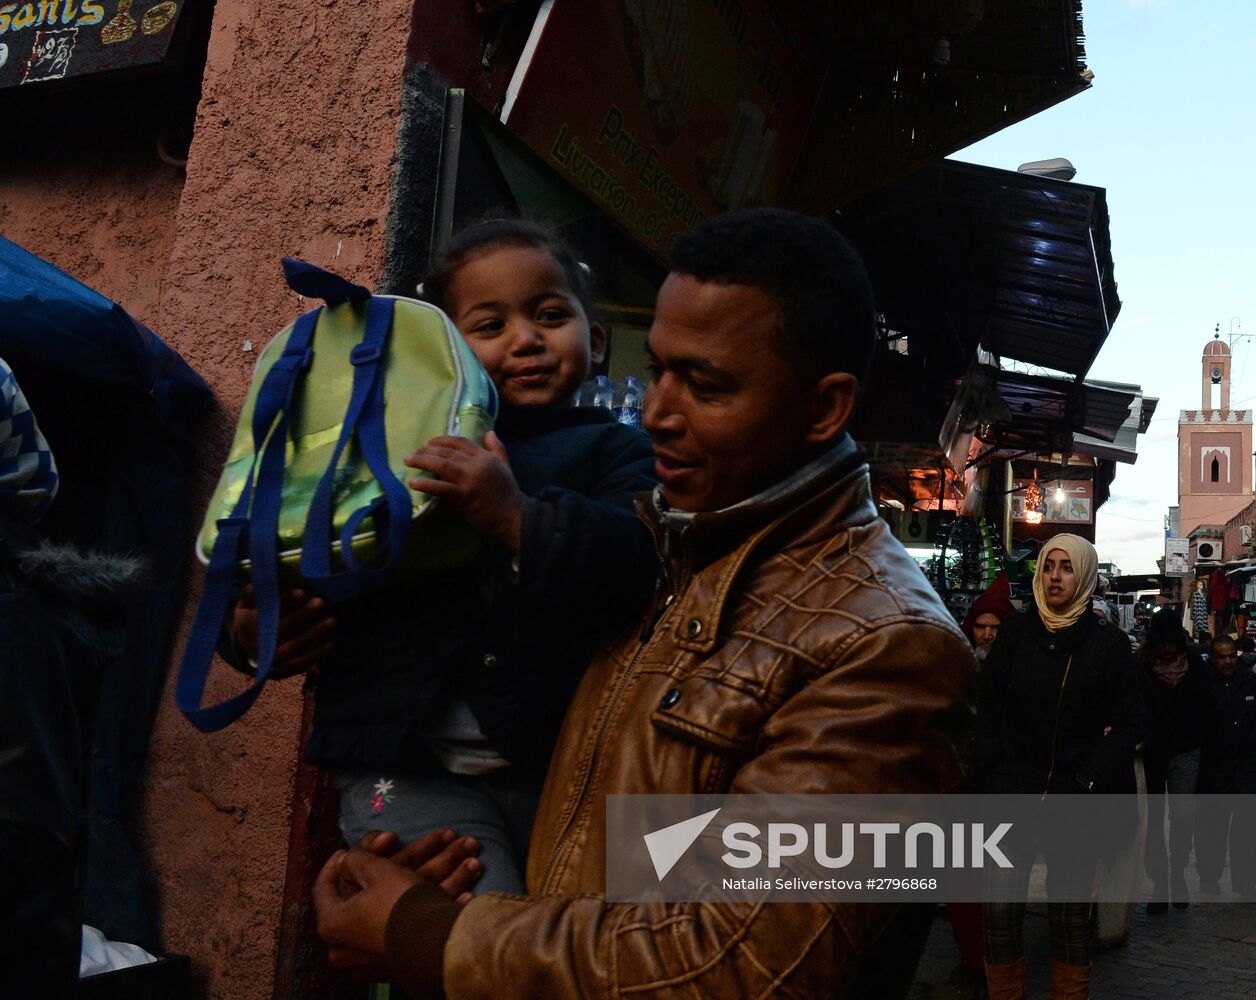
x=496 y=808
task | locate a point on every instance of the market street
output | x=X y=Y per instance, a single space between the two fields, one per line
x=1207 y=952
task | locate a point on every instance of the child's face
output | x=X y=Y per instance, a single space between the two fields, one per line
x=520 y=317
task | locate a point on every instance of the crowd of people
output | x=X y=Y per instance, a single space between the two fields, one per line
x=1065 y=707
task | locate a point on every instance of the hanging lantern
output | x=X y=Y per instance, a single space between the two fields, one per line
x=1034 y=506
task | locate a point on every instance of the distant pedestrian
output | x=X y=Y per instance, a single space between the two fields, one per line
x=1227 y=775
x=981 y=625
x=1104 y=611
x=1178 y=706
x=986 y=614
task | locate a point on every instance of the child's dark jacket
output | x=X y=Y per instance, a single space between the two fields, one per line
x=512 y=648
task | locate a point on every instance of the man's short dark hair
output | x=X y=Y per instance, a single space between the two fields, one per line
x=1224 y=640
x=814 y=276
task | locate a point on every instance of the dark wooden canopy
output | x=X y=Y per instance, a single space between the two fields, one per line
x=888 y=107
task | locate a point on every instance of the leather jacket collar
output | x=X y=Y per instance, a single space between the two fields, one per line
x=707 y=534
x=714 y=545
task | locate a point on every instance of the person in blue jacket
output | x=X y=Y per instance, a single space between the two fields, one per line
x=437 y=704
x=60 y=628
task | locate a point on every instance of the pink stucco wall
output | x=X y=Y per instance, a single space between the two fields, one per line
x=294 y=138
x=291 y=155
x=101 y=207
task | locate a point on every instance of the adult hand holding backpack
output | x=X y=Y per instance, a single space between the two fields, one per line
x=305 y=631
x=476 y=482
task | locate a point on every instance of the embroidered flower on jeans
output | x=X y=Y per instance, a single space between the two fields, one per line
x=382 y=796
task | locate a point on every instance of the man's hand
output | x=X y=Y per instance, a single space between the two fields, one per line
x=353 y=897
x=305 y=630
x=442 y=857
x=474 y=481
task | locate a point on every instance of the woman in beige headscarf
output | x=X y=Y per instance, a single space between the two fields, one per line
x=1060 y=711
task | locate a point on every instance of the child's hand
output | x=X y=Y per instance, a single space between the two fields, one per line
x=305 y=631
x=441 y=857
x=474 y=481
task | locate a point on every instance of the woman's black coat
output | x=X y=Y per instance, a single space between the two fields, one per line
x=1047 y=699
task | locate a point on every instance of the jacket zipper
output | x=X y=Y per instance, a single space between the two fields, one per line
x=656 y=619
x=657 y=610
x=1055 y=732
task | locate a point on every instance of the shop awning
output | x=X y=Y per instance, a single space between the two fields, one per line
x=1038 y=413
x=961 y=255
x=912 y=81
x=1056 y=295
x=1124 y=447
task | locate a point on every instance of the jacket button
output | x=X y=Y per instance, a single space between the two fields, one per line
x=693 y=628
x=670 y=699
x=489 y=660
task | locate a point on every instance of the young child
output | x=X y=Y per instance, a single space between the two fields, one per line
x=437 y=703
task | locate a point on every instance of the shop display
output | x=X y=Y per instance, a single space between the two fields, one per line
x=966 y=562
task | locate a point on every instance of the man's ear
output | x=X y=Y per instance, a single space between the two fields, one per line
x=597 y=343
x=834 y=402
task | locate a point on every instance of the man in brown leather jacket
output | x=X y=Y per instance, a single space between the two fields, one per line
x=794 y=648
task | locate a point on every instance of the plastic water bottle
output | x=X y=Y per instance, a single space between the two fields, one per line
x=630 y=403
x=603 y=392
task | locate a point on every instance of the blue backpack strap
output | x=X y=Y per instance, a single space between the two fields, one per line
x=254 y=520
x=391 y=512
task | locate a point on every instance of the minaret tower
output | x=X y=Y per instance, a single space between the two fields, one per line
x=1214 y=448
x=1216 y=373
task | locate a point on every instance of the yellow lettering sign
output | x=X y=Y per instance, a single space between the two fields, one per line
x=93 y=13
x=25 y=17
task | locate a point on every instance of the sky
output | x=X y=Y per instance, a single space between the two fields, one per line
x=1167 y=129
